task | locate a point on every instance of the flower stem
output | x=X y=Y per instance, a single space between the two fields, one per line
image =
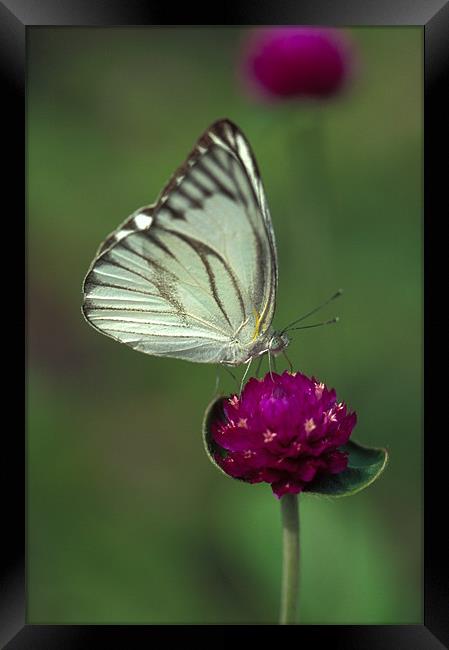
x=290 y=563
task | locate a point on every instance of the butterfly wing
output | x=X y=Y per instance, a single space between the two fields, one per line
x=195 y=275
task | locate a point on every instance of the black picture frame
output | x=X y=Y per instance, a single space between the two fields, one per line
x=16 y=18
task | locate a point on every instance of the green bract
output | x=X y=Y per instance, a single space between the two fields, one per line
x=365 y=465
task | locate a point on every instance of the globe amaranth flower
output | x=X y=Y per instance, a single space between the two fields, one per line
x=296 y=62
x=284 y=430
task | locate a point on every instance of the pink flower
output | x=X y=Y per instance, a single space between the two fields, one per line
x=296 y=62
x=284 y=430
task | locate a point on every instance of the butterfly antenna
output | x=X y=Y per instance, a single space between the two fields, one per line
x=323 y=304
x=325 y=322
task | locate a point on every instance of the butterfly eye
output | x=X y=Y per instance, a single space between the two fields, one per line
x=278 y=342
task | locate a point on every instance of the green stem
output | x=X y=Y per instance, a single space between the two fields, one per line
x=290 y=563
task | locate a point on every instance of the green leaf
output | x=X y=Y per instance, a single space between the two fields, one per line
x=213 y=412
x=365 y=465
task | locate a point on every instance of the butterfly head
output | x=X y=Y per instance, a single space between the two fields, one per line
x=278 y=342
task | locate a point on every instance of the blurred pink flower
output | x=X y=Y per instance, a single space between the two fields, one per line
x=281 y=63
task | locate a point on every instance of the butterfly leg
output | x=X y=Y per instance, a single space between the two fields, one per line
x=259 y=365
x=288 y=360
x=223 y=365
x=245 y=374
x=269 y=366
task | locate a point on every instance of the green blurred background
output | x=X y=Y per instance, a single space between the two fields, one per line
x=128 y=522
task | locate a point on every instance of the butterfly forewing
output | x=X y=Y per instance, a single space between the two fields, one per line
x=193 y=276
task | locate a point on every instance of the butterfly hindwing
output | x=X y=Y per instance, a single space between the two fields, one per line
x=193 y=276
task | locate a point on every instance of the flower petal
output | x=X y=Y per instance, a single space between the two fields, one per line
x=288 y=430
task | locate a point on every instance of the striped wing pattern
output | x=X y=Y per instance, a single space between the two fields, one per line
x=193 y=276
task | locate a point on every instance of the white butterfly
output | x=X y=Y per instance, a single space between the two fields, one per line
x=194 y=275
